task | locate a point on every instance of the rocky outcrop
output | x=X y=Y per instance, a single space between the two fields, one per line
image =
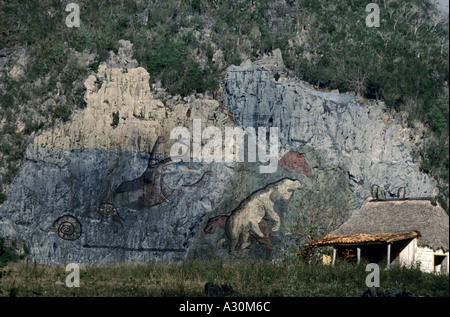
x=122 y=89
x=82 y=194
x=358 y=138
x=13 y=62
x=77 y=166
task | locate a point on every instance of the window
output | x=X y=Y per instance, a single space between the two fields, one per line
x=440 y=263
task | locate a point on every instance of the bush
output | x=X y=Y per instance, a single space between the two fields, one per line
x=2 y=198
x=31 y=126
x=63 y=112
x=116 y=119
x=7 y=253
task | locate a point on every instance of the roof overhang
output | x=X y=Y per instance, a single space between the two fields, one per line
x=361 y=238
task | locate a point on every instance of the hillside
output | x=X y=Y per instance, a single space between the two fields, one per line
x=81 y=109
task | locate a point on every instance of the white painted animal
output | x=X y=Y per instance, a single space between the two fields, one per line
x=247 y=216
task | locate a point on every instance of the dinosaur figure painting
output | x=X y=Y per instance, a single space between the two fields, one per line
x=220 y=222
x=245 y=219
x=149 y=188
x=247 y=225
x=202 y=181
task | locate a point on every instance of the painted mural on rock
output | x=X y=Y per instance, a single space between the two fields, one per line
x=247 y=225
x=92 y=193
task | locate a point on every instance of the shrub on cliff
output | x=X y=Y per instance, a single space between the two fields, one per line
x=7 y=252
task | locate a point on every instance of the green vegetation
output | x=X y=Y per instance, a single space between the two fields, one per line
x=251 y=279
x=2 y=198
x=116 y=119
x=8 y=252
x=404 y=62
x=317 y=214
x=63 y=112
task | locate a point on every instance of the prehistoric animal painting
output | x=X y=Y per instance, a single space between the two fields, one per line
x=108 y=211
x=296 y=161
x=67 y=227
x=244 y=221
x=220 y=221
x=202 y=181
x=247 y=216
x=149 y=188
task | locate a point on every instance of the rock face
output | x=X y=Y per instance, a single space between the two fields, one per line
x=69 y=203
x=354 y=137
x=74 y=169
x=13 y=62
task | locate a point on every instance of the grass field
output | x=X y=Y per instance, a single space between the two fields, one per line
x=249 y=279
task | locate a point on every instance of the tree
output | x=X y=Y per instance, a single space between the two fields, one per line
x=321 y=207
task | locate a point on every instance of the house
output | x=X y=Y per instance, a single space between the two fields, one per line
x=398 y=231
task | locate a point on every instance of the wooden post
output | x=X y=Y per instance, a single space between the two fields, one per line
x=388 y=255
x=358 y=254
x=334 y=257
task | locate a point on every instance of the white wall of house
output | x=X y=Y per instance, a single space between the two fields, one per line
x=430 y=260
x=427 y=258
x=407 y=256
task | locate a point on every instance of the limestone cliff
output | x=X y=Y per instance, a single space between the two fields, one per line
x=359 y=138
x=121 y=87
x=65 y=201
x=74 y=169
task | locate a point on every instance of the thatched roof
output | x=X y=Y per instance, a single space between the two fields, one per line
x=361 y=238
x=396 y=216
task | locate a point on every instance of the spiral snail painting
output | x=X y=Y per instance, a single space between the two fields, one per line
x=67 y=227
